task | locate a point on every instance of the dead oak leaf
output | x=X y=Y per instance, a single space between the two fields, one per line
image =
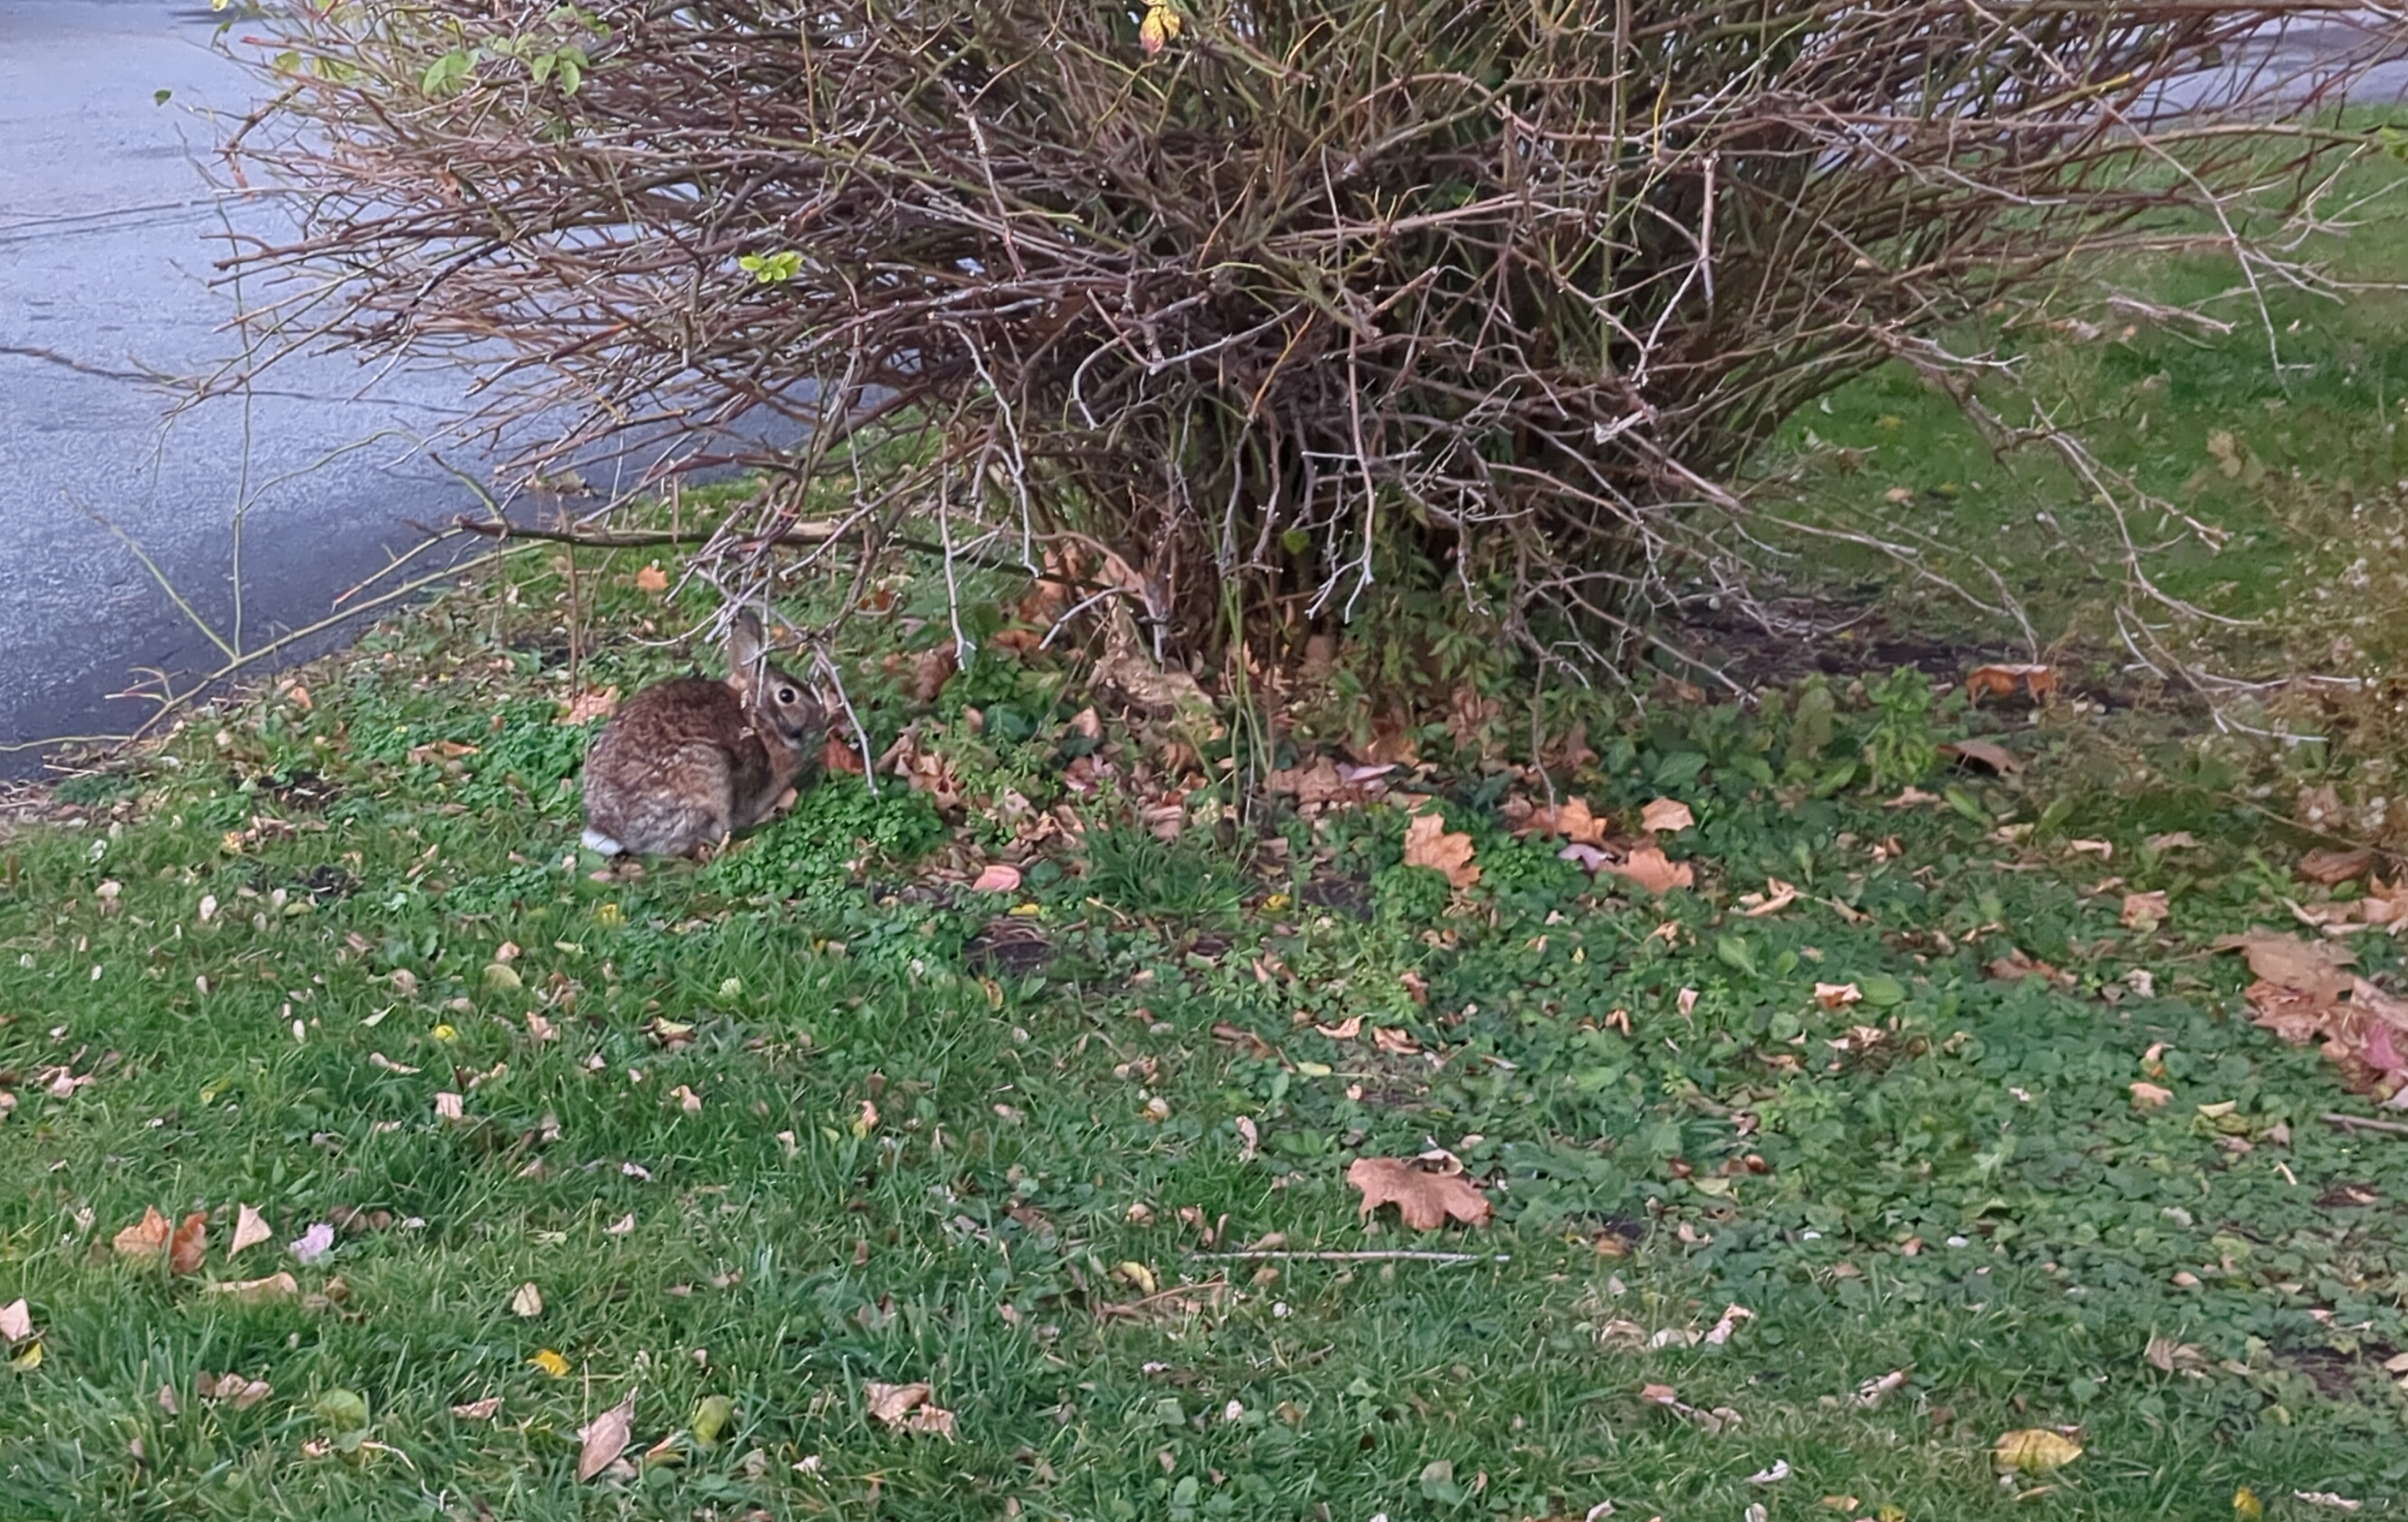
x=1424 y=1200
x=1572 y=819
x=2144 y=911
x=184 y=1246
x=2330 y=867
x=1428 y=843
x=907 y=1408
x=1648 y=866
x=2317 y=968
x=601 y=1441
x=1665 y=816
x=592 y=704
x=1988 y=754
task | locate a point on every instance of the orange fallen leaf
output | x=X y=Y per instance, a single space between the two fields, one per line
x=1427 y=843
x=184 y=1246
x=1572 y=819
x=1648 y=866
x=1834 y=995
x=2002 y=681
x=1425 y=1200
x=601 y=1441
x=2330 y=867
x=1667 y=816
x=653 y=579
x=1777 y=896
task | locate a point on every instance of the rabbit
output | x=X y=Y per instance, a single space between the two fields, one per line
x=686 y=763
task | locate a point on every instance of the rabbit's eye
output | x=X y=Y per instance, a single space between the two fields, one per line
x=785 y=694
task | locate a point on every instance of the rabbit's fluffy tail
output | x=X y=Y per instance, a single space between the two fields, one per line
x=595 y=841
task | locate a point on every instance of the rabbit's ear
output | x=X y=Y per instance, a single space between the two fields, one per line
x=746 y=648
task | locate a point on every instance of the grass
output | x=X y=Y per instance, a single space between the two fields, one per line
x=1972 y=1197
x=813 y=1117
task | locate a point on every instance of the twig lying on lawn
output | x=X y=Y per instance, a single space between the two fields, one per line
x=2364 y=1123
x=1392 y=1255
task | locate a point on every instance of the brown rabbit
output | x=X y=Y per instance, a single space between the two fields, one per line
x=686 y=763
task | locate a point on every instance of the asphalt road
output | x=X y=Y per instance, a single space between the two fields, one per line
x=107 y=230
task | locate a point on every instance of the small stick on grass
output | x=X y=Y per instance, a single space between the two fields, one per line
x=2365 y=1123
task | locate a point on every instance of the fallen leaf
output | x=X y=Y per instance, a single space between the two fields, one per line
x=1648 y=866
x=1665 y=816
x=1427 y=843
x=1777 y=896
x=528 y=1300
x=2150 y=1095
x=2002 y=681
x=2144 y=911
x=907 y=1408
x=1872 y=1392
x=1424 y=1200
x=2164 y=1353
x=1987 y=754
x=601 y=1441
x=250 y=1230
x=449 y=1106
x=479 y=1411
x=2328 y=1499
x=146 y=1238
x=551 y=1363
x=1572 y=819
x=997 y=877
x=275 y=1286
x=653 y=579
x=1779 y=1471
x=2330 y=867
x=1159 y=29
x=2246 y=1507
x=312 y=1245
x=16 y=1321
x=1837 y=996
x=243 y=1393
x=2035 y=1450
x=590 y=705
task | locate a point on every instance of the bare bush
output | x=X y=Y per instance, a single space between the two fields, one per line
x=1321 y=292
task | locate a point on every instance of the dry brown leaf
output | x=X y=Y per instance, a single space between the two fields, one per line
x=1665 y=816
x=1834 y=995
x=2330 y=867
x=2002 y=681
x=184 y=1246
x=907 y=1408
x=1648 y=866
x=2311 y=967
x=1428 y=843
x=2144 y=911
x=2150 y=1095
x=1988 y=754
x=1572 y=819
x=275 y=1286
x=250 y=1230
x=601 y=1441
x=653 y=579
x=1777 y=896
x=244 y=1393
x=997 y=877
x=2035 y=1450
x=479 y=1411
x=592 y=704
x=1424 y=1200
x=2020 y=964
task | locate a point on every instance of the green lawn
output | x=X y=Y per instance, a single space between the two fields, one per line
x=777 y=1128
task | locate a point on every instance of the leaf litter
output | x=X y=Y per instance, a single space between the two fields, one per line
x=1427 y=1194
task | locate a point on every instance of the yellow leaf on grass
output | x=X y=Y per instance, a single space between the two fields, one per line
x=29 y=1358
x=1427 y=843
x=551 y=1363
x=2035 y=1450
x=2247 y=1506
